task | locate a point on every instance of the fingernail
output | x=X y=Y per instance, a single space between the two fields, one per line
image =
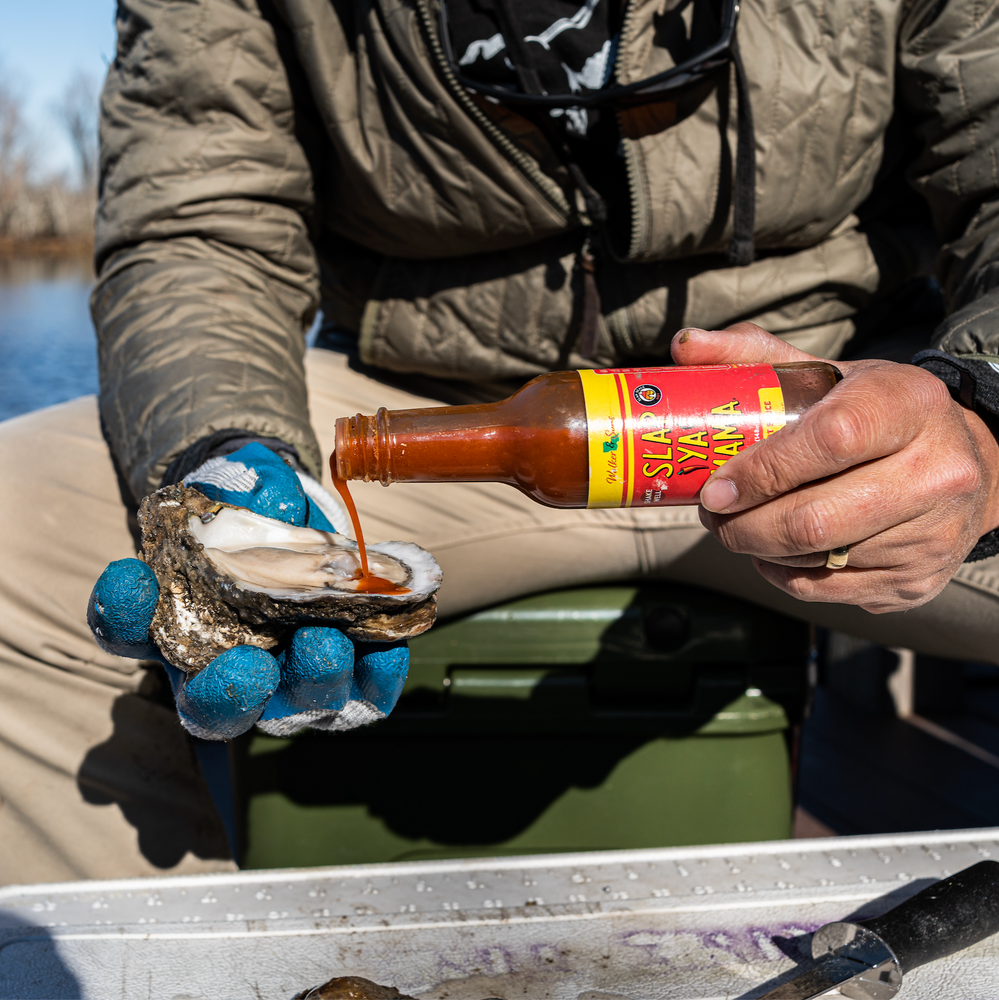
x=684 y=335
x=718 y=495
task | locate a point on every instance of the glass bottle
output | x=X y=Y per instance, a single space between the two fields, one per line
x=612 y=438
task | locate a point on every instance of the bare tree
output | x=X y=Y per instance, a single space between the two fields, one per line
x=15 y=159
x=34 y=207
x=15 y=152
x=78 y=112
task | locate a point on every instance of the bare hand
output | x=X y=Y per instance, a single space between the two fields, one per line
x=887 y=463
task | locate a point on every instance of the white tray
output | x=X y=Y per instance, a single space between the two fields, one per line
x=704 y=922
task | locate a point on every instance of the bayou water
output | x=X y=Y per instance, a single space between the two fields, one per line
x=47 y=349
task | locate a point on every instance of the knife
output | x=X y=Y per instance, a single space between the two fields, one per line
x=866 y=959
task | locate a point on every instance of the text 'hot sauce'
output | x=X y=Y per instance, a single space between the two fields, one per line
x=622 y=437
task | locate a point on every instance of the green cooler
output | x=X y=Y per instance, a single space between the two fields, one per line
x=586 y=719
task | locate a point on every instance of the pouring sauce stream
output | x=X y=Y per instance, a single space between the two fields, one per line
x=366 y=583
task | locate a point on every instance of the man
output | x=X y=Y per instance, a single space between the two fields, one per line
x=464 y=226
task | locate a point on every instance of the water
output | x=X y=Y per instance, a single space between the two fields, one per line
x=48 y=353
x=47 y=349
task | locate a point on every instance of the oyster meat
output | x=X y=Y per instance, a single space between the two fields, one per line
x=230 y=577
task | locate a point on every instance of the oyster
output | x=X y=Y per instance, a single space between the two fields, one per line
x=352 y=988
x=230 y=577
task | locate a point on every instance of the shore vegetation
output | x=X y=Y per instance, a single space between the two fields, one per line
x=48 y=215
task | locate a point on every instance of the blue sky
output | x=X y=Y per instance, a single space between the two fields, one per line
x=43 y=43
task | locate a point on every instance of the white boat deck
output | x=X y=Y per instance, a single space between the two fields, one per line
x=707 y=922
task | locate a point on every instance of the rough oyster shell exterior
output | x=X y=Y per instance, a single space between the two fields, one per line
x=203 y=611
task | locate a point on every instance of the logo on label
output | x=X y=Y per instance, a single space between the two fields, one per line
x=647 y=395
x=646 y=455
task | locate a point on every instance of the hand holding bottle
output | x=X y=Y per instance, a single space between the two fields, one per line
x=888 y=464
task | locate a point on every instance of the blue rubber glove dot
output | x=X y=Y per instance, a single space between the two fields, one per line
x=316 y=673
x=228 y=696
x=380 y=670
x=121 y=609
x=321 y=679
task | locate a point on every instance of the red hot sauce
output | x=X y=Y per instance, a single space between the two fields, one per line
x=366 y=582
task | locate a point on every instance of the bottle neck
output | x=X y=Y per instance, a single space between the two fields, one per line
x=457 y=443
x=535 y=440
x=361 y=448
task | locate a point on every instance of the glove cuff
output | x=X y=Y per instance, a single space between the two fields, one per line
x=973 y=381
x=222 y=443
x=353 y=714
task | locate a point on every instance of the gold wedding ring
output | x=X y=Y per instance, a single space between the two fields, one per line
x=838 y=558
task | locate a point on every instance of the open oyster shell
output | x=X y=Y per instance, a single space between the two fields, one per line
x=230 y=577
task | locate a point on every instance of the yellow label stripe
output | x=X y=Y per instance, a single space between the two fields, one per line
x=628 y=453
x=772 y=414
x=606 y=432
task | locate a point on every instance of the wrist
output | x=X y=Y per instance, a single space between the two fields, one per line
x=218 y=444
x=973 y=381
x=988 y=452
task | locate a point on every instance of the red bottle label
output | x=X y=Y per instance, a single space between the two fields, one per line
x=656 y=434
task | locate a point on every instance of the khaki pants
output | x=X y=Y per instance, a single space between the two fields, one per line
x=98 y=780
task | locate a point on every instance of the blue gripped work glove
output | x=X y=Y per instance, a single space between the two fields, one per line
x=323 y=680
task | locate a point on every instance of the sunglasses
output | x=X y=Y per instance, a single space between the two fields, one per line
x=660 y=87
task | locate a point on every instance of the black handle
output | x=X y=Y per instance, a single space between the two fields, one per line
x=945 y=917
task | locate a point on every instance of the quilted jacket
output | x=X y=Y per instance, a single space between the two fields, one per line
x=261 y=158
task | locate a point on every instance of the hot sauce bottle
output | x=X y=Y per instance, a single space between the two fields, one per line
x=625 y=437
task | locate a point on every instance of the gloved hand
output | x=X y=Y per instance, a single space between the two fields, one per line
x=322 y=680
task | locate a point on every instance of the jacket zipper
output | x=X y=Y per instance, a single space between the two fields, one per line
x=639 y=215
x=538 y=178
